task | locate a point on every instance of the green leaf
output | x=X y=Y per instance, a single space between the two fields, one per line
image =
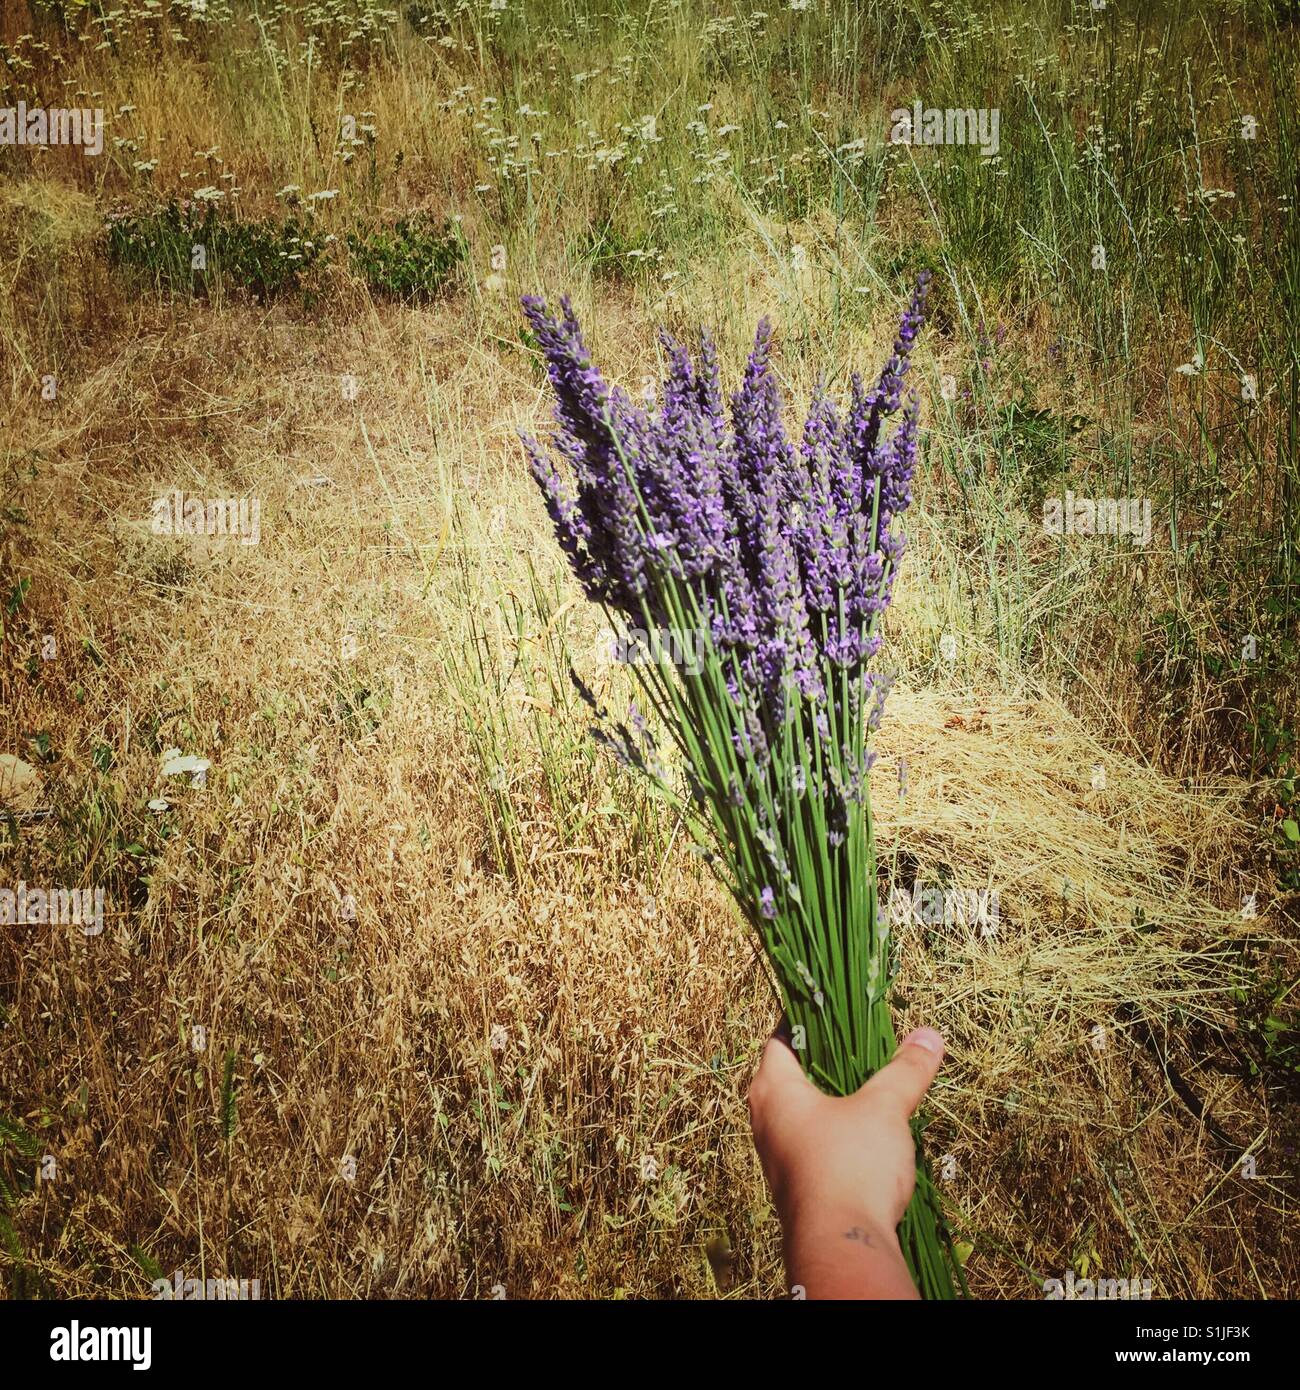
x=15 y=1133
x=229 y=1103
x=17 y=596
x=147 y=1263
x=1292 y=831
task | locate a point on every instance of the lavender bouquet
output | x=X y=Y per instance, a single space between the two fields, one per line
x=709 y=532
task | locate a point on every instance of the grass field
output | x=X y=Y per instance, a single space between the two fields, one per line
x=414 y=993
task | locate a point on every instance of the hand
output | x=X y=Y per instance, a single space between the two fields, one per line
x=842 y=1168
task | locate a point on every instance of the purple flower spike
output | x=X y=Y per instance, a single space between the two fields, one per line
x=788 y=553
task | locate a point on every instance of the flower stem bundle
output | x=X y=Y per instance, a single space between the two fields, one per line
x=769 y=562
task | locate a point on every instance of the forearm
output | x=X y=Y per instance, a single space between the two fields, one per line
x=842 y=1254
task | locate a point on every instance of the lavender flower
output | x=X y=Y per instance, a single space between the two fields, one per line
x=787 y=555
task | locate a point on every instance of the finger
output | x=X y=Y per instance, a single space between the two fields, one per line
x=780 y=1074
x=907 y=1077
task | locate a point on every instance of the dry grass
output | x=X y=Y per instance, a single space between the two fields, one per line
x=458 y=979
x=539 y=987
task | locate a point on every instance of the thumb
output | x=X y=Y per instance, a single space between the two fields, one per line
x=907 y=1078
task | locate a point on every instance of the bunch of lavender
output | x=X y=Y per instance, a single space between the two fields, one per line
x=772 y=562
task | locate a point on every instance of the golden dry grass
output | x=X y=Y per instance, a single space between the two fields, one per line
x=540 y=988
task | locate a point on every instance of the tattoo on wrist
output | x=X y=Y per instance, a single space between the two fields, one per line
x=857 y=1233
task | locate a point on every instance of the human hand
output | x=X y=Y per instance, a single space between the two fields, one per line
x=841 y=1169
